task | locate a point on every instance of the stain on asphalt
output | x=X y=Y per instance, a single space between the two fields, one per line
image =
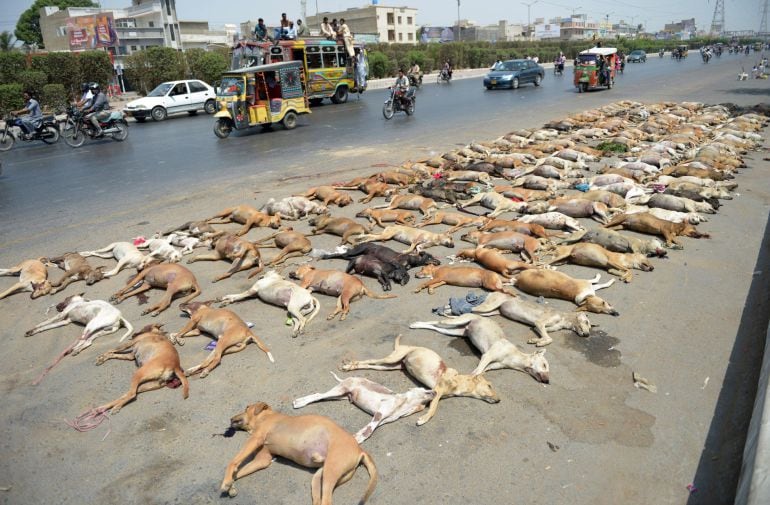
x=598 y=348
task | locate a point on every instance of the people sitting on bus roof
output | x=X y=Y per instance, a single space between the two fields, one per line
x=327 y=30
x=301 y=29
x=283 y=27
x=291 y=33
x=335 y=27
x=343 y=32
x=260 y=31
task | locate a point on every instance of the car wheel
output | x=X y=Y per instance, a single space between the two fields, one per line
x=223 y=127
x=341 y=95
x=290 y=120
x=210 y=107
x=515 y=83
x=538 y=79
x=159 y=113
x=140 y=119
x=489 y=87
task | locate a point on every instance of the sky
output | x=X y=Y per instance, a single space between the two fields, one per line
x=739 y=14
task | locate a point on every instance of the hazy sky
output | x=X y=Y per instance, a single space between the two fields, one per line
x=739 y=14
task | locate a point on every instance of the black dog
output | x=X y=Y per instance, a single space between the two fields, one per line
x=383 y=271
x=387 y=255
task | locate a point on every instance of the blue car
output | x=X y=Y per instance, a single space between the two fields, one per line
x=513 y=73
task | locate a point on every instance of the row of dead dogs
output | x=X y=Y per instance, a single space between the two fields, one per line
x=599 y=247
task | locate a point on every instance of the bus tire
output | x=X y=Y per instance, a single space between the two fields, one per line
x=290 y=120
x=340 y=95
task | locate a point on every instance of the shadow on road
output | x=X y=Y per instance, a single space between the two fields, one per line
x=716 y=478
x=748 y=91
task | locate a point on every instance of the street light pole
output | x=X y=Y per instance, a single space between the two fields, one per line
x=529 y=19
x=459 y=31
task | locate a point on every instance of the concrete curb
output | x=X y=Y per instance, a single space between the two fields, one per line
x=754 y=480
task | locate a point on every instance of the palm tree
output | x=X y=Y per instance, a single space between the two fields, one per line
x=7 y=41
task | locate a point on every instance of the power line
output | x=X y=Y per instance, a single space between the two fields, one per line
x=718 y=21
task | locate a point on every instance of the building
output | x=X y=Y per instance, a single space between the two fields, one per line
x=146 y=23
x=390 y=24
x=503 y=31
x=578 y=27
x=683 y=29
x=198 y=34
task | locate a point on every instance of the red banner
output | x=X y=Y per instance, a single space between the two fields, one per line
x=92 y=32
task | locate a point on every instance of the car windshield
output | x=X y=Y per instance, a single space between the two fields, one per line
x=231 y=86
x=587 y=59
x=637 y=52
x=508 y=66
x=161 y=90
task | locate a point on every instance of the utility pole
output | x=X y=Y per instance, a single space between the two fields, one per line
x=303 y=10
x=763 y=21
x=718 y=21
x=529 y=19
x=459 y=31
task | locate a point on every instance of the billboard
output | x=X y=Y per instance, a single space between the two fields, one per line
x=547 y=31
x=436 y=34
x=91 y=32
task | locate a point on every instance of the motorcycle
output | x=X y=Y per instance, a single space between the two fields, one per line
x=660 y=53
x=415 y=81
x=78 y=128
x=48 y=132
x=444 y=76
x=399 y=100
x=558 y=68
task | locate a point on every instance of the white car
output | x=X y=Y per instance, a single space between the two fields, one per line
x=171 y=97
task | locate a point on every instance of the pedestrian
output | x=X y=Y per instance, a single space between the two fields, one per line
x=327 y=30
x=535 y=59
x=301 y=29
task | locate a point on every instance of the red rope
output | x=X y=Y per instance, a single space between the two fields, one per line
x=56 y=361
x=89 y=420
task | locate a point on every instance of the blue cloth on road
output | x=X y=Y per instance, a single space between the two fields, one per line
x=459 y=306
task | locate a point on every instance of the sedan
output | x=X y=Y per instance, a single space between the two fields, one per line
x=637 y=56
x=171 y=97
x=512 y=73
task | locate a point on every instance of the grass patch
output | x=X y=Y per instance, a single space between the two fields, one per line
x=611 y=147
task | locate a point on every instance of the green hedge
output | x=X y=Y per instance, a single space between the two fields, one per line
x=55 y=96
x=385 y=59
x=10 y=98
x=33 y=81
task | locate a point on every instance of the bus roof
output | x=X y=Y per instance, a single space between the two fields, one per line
x=320 y=41
x=604 y=51
x=266 y=68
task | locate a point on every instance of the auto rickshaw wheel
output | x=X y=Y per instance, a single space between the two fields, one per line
x=290 y=120
x=222 y=128
x=584 y=87
x=340 y=95
x=609 y=84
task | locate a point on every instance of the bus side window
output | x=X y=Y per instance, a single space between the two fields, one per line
x=342 y=55
x=298 y=54
x=314 y=57
x=330 y=57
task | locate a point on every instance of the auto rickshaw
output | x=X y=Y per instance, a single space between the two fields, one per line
x=261 y=95
x=587 y=68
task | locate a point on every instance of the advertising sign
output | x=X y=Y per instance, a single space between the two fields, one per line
x=91 y=32
x=547 y=31
x=436 y=34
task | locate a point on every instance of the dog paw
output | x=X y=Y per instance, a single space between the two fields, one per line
x=204 y=374
x=347 y=365
x=99 y=361
x=422 y=420
x=29 y=333
x=543 y=342
x=114 y=411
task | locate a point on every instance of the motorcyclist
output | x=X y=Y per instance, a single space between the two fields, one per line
x=34 y=117
x=414 y=74
x=97 y=108
x=85 y=96
x=447 y=70
x=660 y=53
x=402 y=87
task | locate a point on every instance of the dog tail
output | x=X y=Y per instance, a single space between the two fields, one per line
x=183 y=379
x=335 y=376
x=316 y=308
x=372 y=470
x=129 y=328
x=377 y=297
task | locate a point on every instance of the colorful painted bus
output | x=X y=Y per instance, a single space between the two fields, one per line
x=331 y=72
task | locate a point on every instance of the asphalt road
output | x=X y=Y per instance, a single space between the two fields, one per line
x=693 y=327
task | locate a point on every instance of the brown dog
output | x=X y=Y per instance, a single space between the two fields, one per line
x=372 y=188
x=380 y=216
x=506 y=241
x=291 y=244
x=169 y=276
x=429 y=369
x=248 y=216
x=413 y=202
x=158 y=364
x=243 y=254
x=531 y=229
x=644 y=222
x=596 y=256
x=340 y=226
x=553 y=284
x=468 y=277
x=76 y=268
x=345 y=287
x=229 y=330
x=417 y=239
x=328 y=194
x=311 y=441
x=33 y=276
x=491 y=259
x=453 y=219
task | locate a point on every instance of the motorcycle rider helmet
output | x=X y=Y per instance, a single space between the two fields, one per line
x=84 y=87
x=94 y=86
